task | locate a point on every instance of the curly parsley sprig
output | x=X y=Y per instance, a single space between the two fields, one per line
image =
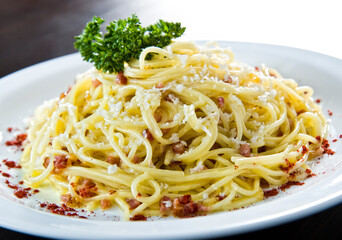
x=124 y=40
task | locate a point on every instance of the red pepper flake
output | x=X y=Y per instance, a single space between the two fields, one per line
x=330 y=113
x=340 y=136
x=318 y=100
x=334 y=140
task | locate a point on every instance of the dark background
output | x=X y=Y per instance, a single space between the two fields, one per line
x=32 y=31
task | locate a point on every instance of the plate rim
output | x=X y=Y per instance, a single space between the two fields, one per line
x=319 y=205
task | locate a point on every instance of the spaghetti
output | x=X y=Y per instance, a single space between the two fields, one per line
x=188 y=132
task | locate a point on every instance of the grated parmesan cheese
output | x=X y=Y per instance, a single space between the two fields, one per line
x=112 y=169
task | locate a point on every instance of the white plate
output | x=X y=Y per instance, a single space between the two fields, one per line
x=22 y=91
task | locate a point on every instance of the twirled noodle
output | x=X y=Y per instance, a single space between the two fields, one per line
x=191 y=121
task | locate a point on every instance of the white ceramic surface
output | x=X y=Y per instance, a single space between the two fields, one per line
x=22 y=91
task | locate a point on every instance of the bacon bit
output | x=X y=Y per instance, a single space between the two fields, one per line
x=113 y=160
x=67 y=199
x=165 y=205
x=165 y=130
x=185 y=199
x=157 y=117
x=160 y=85
x=64 y=94
x=270 y=193
x=264 y=183
x=18 y=141
x=87 y=188
x=61 y=210
x=22 y=193
x=105 y=204
x=289 y=184
x=330 y=113
x=304 y=150
x=96 y=83
x=220 y=102
x=318 y=100
x=325 y=146
x=175 y=163
x=136 y=159
x=146 y=133
x=11 y=164
x=272 y=74
x=288 y=166
x=184 y=207
x=178 y=148
x=228 y=80
x=46 y=162
x=60 y=162
x=6 y=175
x=121 y=79
x=132 y=203
x=221 y=197
x=245 y=150
x=138 y=217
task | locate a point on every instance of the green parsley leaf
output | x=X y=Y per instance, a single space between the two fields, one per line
x=124 y=40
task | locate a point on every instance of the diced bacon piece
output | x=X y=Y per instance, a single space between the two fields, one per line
x=105 y=204
x=96 y=83
x=60 y=162
x=185 y=199
x=113 y=160
x=165 y=205
x=121 y=79
x=228 y=79
x=46 y=162
x=138 y=217
x=178 y=148
x=245 y=150
x=132 y=203
x=220 y=102
x=87 y=188
x=146 y=133
x=160 y=85
x=157 y=117
x=136 y=159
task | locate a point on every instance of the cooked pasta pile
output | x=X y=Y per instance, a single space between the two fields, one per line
x=189 y=132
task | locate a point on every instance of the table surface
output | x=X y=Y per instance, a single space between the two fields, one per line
x=33 y=31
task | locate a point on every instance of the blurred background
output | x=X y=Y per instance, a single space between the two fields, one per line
x=36 y=30
x=32 y=31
